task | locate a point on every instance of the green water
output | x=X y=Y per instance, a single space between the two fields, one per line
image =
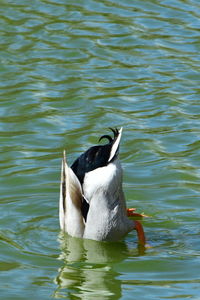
x=69 y=70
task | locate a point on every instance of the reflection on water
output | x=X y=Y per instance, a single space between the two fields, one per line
x=89 y=268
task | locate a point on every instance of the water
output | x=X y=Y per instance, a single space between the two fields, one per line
x=68 y=71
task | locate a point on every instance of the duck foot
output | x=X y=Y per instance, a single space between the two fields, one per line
x=131 y=213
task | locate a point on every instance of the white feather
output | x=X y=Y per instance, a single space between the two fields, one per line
x=115 y=145
x=61 y=208
x=71 y=219
x=107 y=218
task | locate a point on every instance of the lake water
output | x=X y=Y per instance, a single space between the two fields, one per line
x=69 y=70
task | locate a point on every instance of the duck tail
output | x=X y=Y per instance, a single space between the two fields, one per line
x=116 y=141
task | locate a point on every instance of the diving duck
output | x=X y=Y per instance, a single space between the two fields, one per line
x=92 y=203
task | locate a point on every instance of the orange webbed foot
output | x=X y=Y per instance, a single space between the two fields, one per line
x=131 y=213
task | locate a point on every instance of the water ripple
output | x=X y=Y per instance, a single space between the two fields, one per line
x=69 y=71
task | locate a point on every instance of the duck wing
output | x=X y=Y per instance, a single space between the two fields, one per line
x=70 y=205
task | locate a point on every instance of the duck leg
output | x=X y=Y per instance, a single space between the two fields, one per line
x=137 y=225
x=140 y=233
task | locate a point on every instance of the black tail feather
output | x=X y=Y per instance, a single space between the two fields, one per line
x=96 y=156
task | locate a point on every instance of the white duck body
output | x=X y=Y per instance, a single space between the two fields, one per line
x=107 y=217
x=101 y=190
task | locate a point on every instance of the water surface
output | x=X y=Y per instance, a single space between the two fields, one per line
x=69 y=70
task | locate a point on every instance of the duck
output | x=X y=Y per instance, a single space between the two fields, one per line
x=92 y=204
